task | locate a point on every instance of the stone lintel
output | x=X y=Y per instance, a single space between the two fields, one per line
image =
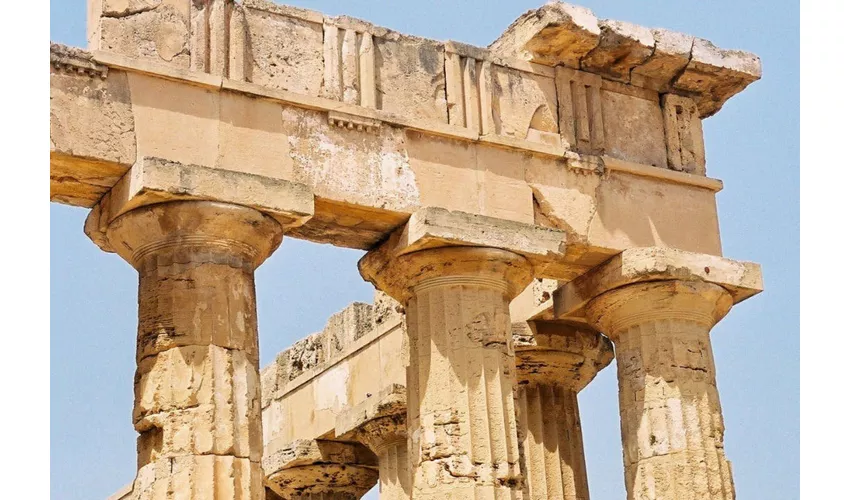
x=154 y=180
x=635 y=265
x=383 y=413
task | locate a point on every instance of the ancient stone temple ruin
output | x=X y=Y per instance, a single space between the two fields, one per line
x=530 y=211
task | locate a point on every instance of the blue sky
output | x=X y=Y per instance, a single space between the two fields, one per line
x=752 y=145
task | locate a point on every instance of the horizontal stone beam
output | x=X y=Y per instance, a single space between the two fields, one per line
x=368 y=169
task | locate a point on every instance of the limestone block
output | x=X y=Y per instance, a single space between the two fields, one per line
x=347 y=326
x=527 y=106
x=157 y=30
x=580 y=108
x=636 y=265
x=713 y=75
x=386 y=309
x=683 y=134
x=331 y=160
x=622 y=46
x=153 y=180
x=410 y=77
x=92 y=140
x=672 y=53
x=200 y=477
x=306 y=467
x=557 y=33
x=634 y=129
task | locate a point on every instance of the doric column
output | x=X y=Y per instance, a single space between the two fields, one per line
x=461 y=419
x=669 y=407
x=319 y=470
x=553 y=365
x=658 y=306
x=197 y=391
x=379 y=422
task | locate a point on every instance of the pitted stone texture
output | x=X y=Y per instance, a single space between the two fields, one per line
x=561 y=353
x=310 y=353
x=557 y=33
x=672 y=425
x=292 y=62
x=713 y=75
x=318 y=467
x=204 y=477
x=197 y=405
x=670 y=57
x=636 y=265
x=411 y=76
x=622 y=46
x=90 y=118
x=158 y=30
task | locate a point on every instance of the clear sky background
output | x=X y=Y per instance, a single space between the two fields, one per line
x=752 y=145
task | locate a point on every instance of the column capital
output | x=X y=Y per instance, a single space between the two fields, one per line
x=376 y=422
x=621 y=308
x=561 y=353
x=240 y=234
x=308 y=466
x=740 y=280
x=436 y=242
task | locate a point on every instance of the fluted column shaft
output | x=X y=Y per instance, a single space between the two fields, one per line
x=393 y=470
x=461 y=417
x=671 y=421
x=553 y=365
x=197 y=392
x=551 y=442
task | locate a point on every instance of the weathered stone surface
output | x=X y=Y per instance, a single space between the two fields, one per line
x=713 y=75
x=153 y=180
x=683 y=133
x=92 y=141
x=527 y=104
x=741 y=279
x=622 y=46
x=197 y=386
x=553 y=365
x=412 y=81
x=671 y=422
x=461 y=370
x=308 y=467
x=397 y=170
x=671 y=55
x=286 y=49
x=634 y=129
x=557 y=33
x=158 y=30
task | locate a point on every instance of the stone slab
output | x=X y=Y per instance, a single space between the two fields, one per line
x=635 y=265
x=154 y=180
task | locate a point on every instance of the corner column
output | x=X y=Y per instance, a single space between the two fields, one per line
x=553 y=365
x=658 y=306
x=461 y=419
x=670 y=414
x=197 y=391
